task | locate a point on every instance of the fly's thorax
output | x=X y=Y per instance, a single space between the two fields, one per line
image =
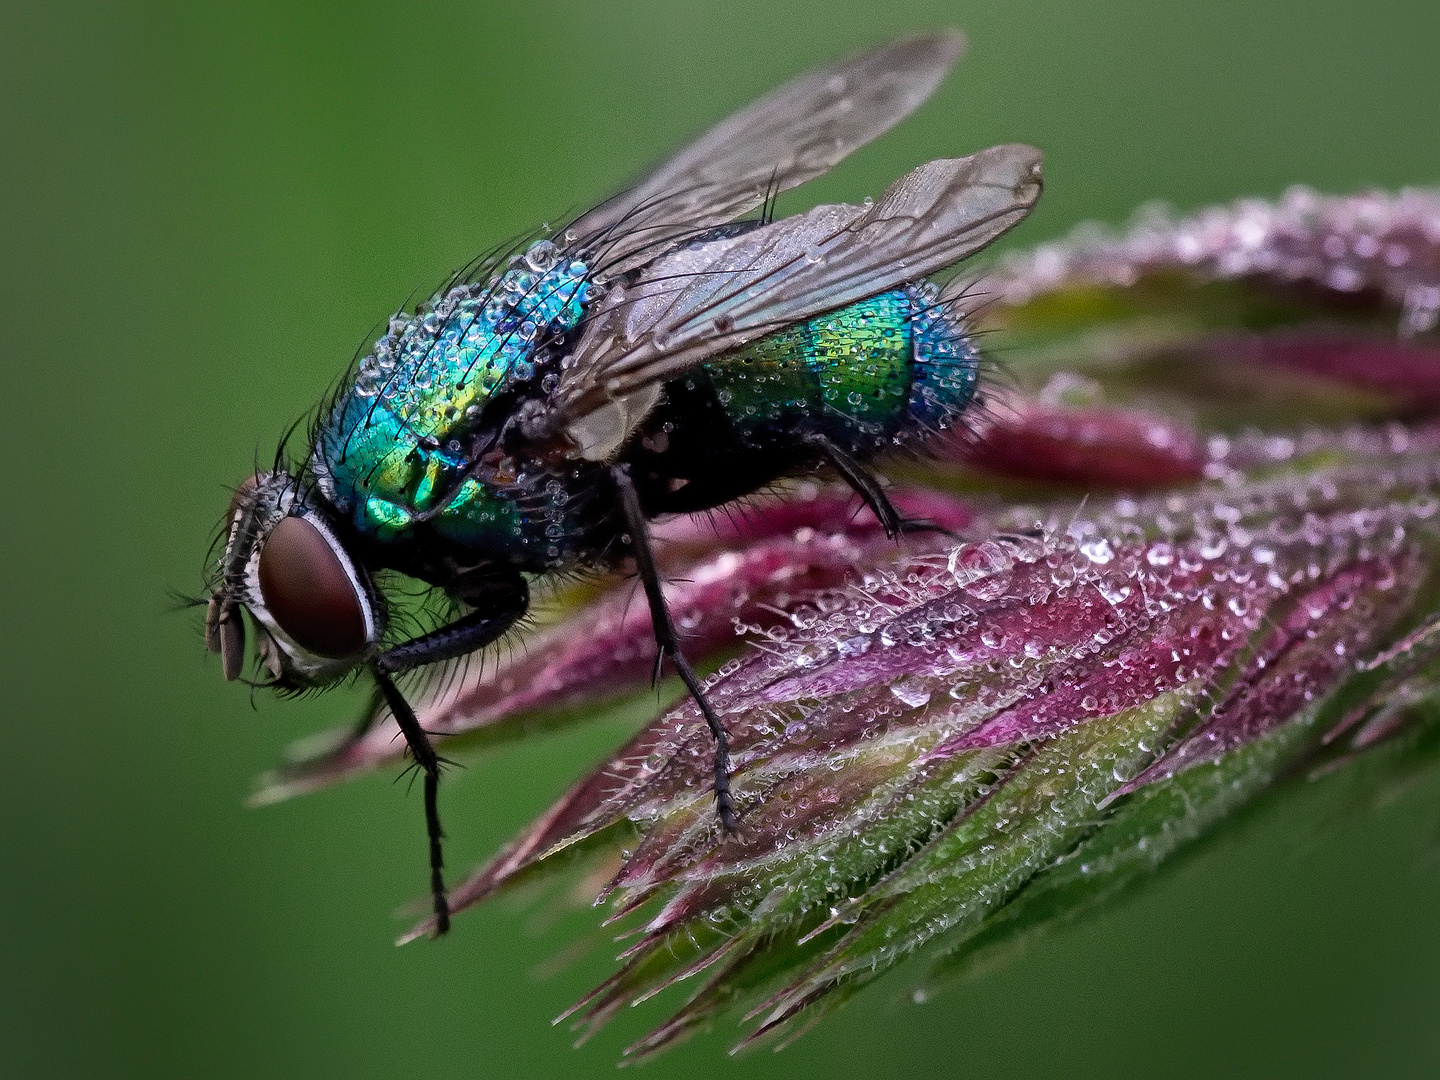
x=527 y=516
x=314 y=610
x=399 y=445
x=524 y=515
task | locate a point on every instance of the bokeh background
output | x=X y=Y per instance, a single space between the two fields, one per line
x=204 y=209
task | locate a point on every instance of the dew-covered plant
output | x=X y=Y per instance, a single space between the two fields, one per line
x=1200 y=555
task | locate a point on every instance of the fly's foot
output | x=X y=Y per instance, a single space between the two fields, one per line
x=724 y=803
x=905 y=526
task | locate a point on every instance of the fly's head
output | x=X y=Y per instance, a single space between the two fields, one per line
x=315 y=612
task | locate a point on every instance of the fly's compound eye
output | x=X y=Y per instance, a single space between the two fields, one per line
x=310 y=592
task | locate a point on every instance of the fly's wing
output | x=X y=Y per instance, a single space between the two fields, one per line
x=696 y=302
x=792 y=134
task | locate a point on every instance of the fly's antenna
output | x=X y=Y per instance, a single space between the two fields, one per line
x=179 y=601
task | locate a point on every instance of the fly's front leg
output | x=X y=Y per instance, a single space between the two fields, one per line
x=504 y=601
x=669 y=640
x=429 y=762
x=868 y=488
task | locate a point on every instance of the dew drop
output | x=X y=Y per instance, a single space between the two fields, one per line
x=1212 y=547
x=992 y=637
x=911 y=691
x=1114 y=589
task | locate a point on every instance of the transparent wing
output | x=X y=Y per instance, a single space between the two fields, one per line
x=699 y=301
x=792 y=134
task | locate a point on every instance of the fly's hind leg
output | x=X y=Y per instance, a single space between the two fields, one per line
x=864 y=484
x=667 y=639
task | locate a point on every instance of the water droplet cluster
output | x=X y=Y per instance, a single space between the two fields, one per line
x=917 y=737
x=474 y=335
x=947 y=364
x=910 y=750
x=1375 y=241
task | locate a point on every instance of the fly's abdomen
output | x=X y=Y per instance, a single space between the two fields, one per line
x=863 y=375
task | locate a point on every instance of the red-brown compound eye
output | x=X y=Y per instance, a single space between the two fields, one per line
x=308 y=592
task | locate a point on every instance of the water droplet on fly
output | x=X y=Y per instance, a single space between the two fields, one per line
x=542 y=256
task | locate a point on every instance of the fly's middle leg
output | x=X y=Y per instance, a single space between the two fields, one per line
x=669 y=641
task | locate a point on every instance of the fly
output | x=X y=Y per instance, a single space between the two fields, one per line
x=657 y=357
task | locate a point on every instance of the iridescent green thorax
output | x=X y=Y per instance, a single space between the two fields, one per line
x=860 y=374
x=391 y=447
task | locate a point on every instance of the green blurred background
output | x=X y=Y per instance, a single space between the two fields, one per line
x=205 y=210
